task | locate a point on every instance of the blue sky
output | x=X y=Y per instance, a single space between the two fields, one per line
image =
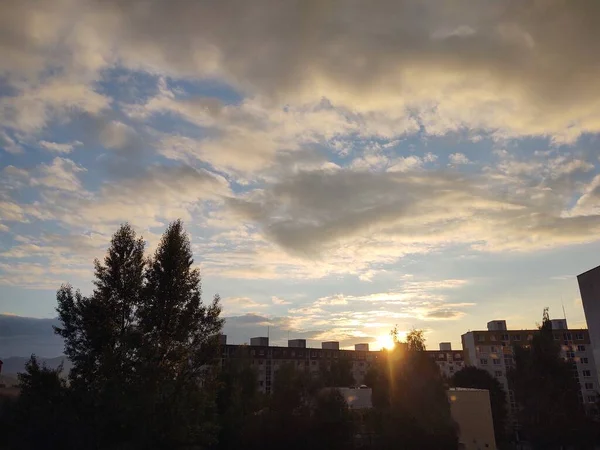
x=340 y=170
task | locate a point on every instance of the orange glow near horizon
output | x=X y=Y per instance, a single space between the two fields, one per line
x=385 y=341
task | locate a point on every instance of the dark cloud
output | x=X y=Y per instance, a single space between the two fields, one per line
x=309 y=212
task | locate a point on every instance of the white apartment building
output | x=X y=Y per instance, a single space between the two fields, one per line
x=491 y=350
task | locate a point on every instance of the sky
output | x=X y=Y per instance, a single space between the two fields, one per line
x=341 y=166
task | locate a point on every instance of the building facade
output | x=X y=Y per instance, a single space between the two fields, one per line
x=449 y=361
x=492 y=350
x=472 y=411
x=267 y=359
x=589 y=288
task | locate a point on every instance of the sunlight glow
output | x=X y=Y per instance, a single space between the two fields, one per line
x=385 y=341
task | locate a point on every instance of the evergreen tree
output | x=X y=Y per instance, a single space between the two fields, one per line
x=179 y=347
x=550 y=413
x=100 y=334
x=473 y=377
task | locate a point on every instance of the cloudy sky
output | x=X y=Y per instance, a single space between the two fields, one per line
x=342 y=166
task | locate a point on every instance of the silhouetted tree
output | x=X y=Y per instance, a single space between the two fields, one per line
x=410 y=402
x=238 y=399
x=332 y=424
x=550 y=413
x=39 y=417
x=179 y=347
x=473 y=377
x=337 y=374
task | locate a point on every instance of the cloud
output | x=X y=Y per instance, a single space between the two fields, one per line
x=312 y=213
x=8 y=144
x=61 y=174
x=498 y=66
x=57 y=147
x=458 y=158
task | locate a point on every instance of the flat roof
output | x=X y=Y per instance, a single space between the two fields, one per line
x=589 y=271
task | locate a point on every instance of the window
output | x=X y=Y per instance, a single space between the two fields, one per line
x=579 y=336
x=498 y=373
x=591 y=398
x=494 y=349
x=451 y=369
x=496 y=361
x=483 y=361
x=314 y=363
x=440 y=356
x=556 y=337
x=583 y=360
x=530 y=337
x=516 y=337
x=570 y=354
x=504 y=337
x=457 y=356
x=567 y=337
x=261 y=383
x=260 y=362
x=492 y=337
x=581 y=348
x=587 y=373
x=589 y=386
x=481 y=337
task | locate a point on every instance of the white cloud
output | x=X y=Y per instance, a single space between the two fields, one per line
x=459 y=158
x=57 y=147
x=8 y=144
x=60 y=174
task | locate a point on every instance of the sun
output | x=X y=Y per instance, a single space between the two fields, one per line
x=385 y=341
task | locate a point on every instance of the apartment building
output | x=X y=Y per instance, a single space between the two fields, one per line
x=589 y=288
x=492 y=350
x=266 y=359
x=449 y=361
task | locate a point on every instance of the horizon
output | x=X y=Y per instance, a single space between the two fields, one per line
x=340 y=170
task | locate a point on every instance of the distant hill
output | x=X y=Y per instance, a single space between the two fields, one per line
x=16 y=364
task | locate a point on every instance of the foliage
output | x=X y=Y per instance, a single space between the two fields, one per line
x=473 y=377
x=337 y=374
x=409 y=400
x=550 y=413
x=415 y=340
x=144 y=350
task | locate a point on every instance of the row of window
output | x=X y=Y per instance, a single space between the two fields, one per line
x=482 y=337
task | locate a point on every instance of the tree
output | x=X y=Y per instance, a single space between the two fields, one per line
x=409 y=399
x=39 y=417
x=237 y=399
x=332 y=425
x=550 y=412
x=337 y=374
x=473 y=377
x=415 y=340
x=179 y=347
x=100 y=335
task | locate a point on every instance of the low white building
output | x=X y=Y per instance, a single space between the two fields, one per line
x=472 y=411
